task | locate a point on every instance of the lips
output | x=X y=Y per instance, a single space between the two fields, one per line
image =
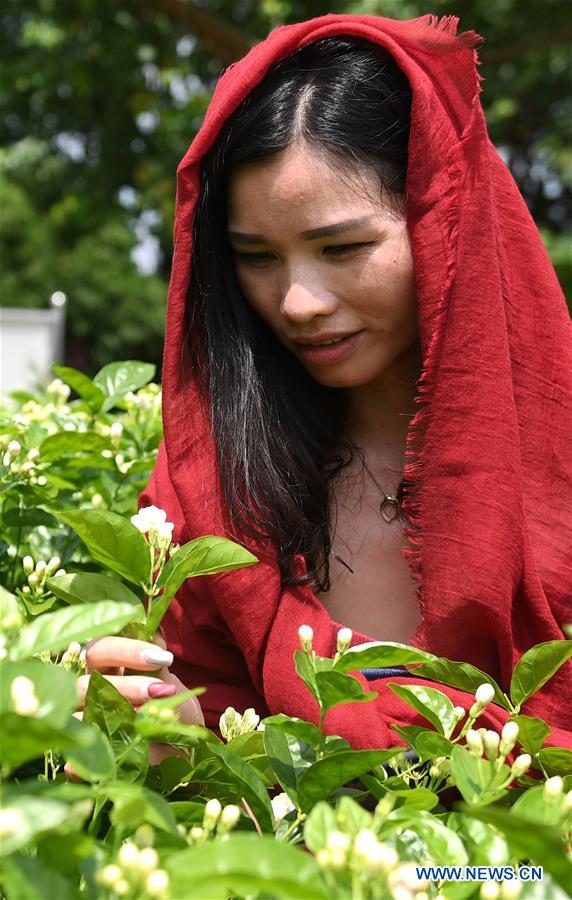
x=314 y=354
x=323 y=339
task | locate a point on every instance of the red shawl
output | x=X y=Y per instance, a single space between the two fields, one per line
x=489 y=451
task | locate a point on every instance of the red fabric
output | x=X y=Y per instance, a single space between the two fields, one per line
x=489 y=451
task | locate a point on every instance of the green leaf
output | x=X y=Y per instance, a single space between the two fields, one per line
x=324 y=776
x=320 y=822
x=89 y=587
x=541 y=844
x=111 y=540
x=477 y=779
x=418 y=798
x=380 y=654
x=351 y=817
x=334 y=688
x=76 y=442
x=95 y=760
x=153 y=808
x=54 y=687
x=204 y=556
x=33 y=816
x=429 y=744
x=298 y=728
x=118 y=378
x=28 y=878
x=460 y=675
x=305 y=671
x=114 y=715
x=245 y=864
x=248 y=784
x=444 y=844
x=536 y=667
x=485 y=845
x=31 y=517
x=534 y=805
x=532 y=732
x=432 y=704
x=289 y=757
x=55 y=630
x=25 y=738
x=555 y=760
x=82 y=385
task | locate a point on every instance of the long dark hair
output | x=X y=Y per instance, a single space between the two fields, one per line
x=279 y=433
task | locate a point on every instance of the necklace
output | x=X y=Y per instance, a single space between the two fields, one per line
x=390 y=507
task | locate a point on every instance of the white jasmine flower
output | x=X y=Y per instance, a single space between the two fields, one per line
x=484 y=694
x=53 y=565
x=33 y=454
x=338 y=842
x=521 y=764
x=491 y=741
x=509 y=735
x=28 y=565
x=41 y=567
x=11 y=821
x=148 y=860
x=344 y=639
x=230 y=723
x=97 y=501
x=110 y=875
x=381 y=858
x=116 y=430
x=306 y=635
x=229 y=816
x=128 y=855
x=363 y=842
x=23 y=696
x=157 y=882
x=152 y=519
x=14 y=449
x=250 y=720
x=553 y=787
x=489 y=890
x=213 y=809
x=474 y=742
x=281 y=806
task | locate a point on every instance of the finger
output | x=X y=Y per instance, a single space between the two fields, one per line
x=189 y=711
x=71 y=773
x=135 y=688
x=107 y=652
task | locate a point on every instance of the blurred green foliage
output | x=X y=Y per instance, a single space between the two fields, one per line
x=100 y=100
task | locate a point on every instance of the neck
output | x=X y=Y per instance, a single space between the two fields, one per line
x=380 y=414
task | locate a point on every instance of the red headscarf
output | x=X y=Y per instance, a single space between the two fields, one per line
x=489 y=451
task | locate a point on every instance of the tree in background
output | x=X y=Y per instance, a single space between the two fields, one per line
x=101 y=98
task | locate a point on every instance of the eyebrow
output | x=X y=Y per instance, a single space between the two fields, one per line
x=324 y=231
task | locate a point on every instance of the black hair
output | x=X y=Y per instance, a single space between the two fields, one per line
x=280 y=434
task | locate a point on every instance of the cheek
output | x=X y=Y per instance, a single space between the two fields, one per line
x=256 y=294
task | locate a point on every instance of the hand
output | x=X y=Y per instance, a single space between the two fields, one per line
x=111 y=656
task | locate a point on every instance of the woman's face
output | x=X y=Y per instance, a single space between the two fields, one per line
x=354 y=282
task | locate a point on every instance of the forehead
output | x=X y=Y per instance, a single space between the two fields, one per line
x=299 y=181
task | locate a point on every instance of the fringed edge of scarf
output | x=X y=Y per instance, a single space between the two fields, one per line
x=449 y=24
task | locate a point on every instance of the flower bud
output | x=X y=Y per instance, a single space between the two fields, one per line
x=345 y=636
x=167 y=715
x=23 y=696
x=229 y=723
x=509 y=735
x=196 y=833
x=229 y=816
x=53 y=565
x=110 y=875
x=306 y=635
x=554 y=787
x=491 y=741
x=41 y=567
x=521 y=764
x=97 y=501
x=121 y=887
x=459 y=712
x=11 y=821
x=213 y=809
x=116 y=430
x=42 y=480
x=382 y=858
x=363 y=842
x=281 y=806
x=337 y=841
x=489 y=890
x=474 y=742
x=14 y=449
x=128 y=855
x=33 y=454
x=33 y=580
x=250 y=720
x=145 y=836
x=157 y=883
x=510 y=890
x=28 y=565
x=60 y=572
x=484 y=694
x=148 y=860
x=568 y=800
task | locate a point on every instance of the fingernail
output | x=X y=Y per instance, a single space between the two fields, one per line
x=161 y=689
x=158 y=657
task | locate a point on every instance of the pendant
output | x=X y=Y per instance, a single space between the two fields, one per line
x=389 y=508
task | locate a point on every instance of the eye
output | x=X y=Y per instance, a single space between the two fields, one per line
x=341 y=249
x=252 y=257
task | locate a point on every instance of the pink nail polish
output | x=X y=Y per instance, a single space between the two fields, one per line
x=161 y=689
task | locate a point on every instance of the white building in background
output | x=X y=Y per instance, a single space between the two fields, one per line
x=30 y=341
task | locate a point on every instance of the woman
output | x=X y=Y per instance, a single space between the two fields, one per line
x=411 y=481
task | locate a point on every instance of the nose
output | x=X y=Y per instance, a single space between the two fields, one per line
x=302 y=301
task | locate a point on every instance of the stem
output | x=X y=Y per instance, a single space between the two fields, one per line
x=18 y=542
x=297 y=821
